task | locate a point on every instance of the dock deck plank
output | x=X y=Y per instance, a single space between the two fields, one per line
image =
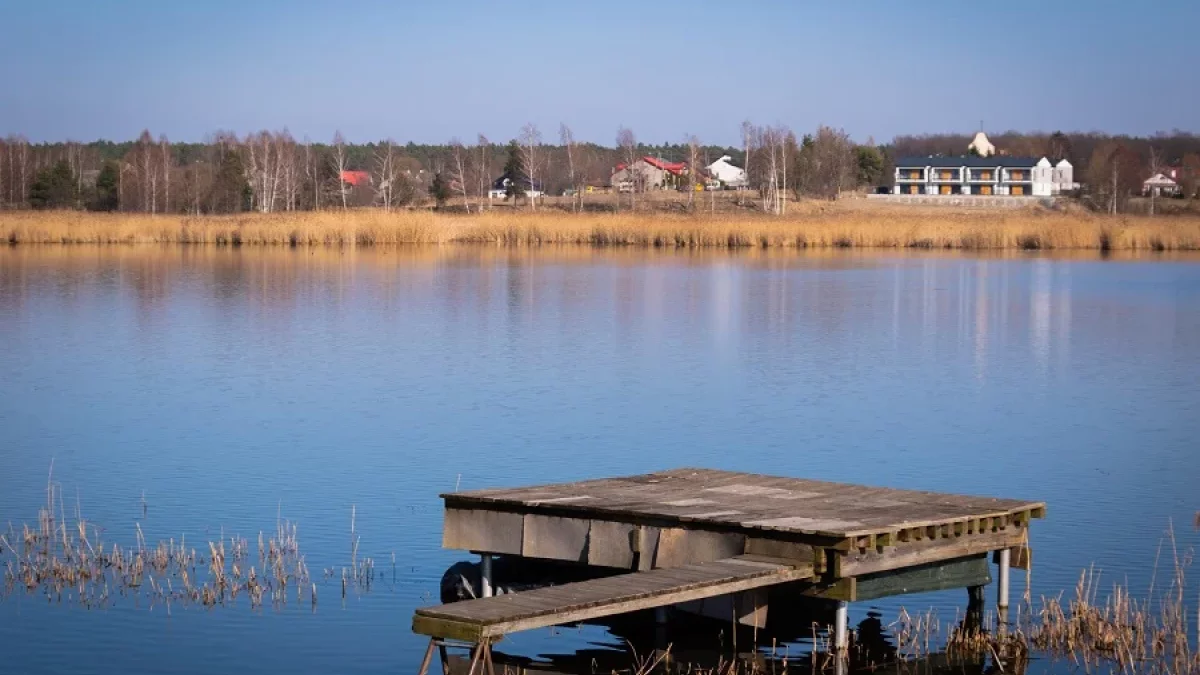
x=483 y=618
x=744 y=501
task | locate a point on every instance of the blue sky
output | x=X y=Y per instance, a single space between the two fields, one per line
x=429 y=71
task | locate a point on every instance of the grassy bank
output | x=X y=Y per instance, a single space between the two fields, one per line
x=807 y=225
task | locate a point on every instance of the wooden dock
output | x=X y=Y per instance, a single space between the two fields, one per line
x=690 y=534
x=478 y=620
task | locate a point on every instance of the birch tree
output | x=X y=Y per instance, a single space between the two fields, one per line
x=459 y=155
x=339 y=166
x=531 y=143
x=567 y=138
x=1156 y=166
x=483 y=169
x=312 y=172
x=387 y=175
x=693 y=147
x=627 y=142
x=748 y=133
x=164 y=154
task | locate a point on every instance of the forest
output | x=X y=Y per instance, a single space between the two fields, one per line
x=271 y=171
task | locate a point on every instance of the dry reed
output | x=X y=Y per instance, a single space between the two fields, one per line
x=806 y=226
x=68 y=563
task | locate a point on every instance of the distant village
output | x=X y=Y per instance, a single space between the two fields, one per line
x=271 y=171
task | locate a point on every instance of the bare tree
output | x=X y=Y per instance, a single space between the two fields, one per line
x=145 y=165
x=164 y=151
x=748 y=134
x=74 y=152
x=1156 y=166
x=693 y=146
x=627 y=142
x=387 y=175
x=483 y=168
x=289 y=173
x=264 y=168
x=339 y=166
x=567 y=138
x=531 y=143
x=312 y=173
x=19 y=148
x=459 y=155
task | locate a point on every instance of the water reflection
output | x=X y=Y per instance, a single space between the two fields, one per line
x=225 y=382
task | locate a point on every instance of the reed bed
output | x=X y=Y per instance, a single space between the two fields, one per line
x=806 y=226
x=67 y=562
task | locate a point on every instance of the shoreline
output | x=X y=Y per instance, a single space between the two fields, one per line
x=808 y=226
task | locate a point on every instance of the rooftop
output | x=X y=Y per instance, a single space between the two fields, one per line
x=969 y=161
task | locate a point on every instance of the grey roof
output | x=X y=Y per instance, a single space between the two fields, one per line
x=970 y=161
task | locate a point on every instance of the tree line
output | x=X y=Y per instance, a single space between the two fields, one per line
x=270 y=171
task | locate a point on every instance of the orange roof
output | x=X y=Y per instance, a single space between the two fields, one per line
x=356 y=178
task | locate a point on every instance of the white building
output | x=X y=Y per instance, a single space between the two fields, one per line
x=972 y=175
x=1160 y=185
x=727 y=173
x=981 y=145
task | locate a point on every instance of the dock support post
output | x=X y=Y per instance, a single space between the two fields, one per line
x=976 y=602
x=1002 y=587
x=840 y=626
x=485 y=575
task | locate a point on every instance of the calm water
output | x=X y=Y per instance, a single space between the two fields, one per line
x=228 y=385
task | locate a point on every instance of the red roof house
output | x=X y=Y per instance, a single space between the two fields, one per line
x=356 y=178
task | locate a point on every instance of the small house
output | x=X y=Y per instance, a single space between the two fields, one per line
x=500 y=187
x=730 y=175
x=648 y=173
x=1161 y=185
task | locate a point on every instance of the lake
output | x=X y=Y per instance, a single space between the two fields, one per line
x=203 y=392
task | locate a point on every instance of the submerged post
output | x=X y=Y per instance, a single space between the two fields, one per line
x=840 y=626
x=485 y=575
x=1002 y=587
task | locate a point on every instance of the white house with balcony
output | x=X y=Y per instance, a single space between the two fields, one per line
x=973 y=175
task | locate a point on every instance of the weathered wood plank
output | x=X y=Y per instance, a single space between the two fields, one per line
x=750 y=502
x=919 y=552
x=611 y=544
x=555 y=538
x=482 y=530
x=679 y=546
x=474 y=620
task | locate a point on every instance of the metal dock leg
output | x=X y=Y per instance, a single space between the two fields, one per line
x=1002 y=589
x=428 y=657
x=485 y=575
x=840 y=627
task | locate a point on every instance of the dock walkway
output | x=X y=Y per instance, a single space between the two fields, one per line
x=478 y=620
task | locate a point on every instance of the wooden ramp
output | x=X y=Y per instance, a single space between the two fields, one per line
x=484 y=619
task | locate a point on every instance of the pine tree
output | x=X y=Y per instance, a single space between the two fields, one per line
x=230 y=192
x=439 y=189
x=54 y=188
x=106 y=196
x=514 y=171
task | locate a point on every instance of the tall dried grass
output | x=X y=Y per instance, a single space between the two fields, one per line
x=883 y=226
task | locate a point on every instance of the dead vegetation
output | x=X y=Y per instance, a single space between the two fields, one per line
x=806 y=225
x=67 y=562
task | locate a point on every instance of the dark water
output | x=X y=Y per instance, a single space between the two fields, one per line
x=227 y=386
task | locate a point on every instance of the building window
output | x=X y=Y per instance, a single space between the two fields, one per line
x=985 y=175
x=1018 y=190
x=1017 y=175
